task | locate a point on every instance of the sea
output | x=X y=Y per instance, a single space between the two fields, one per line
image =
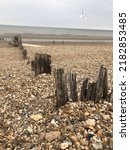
x=28 y=32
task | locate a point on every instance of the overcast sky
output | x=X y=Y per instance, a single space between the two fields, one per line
x=57 y=13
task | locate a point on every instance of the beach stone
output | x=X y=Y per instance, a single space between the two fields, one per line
x=85 y=133
x=1 y=132
x=64 y=145
x=53 y=122
x=52 y=135
x=86 y=147
x=20 y=111
x=97 y=146
x=33 y=97
x=82 y=147
x=77 y=145
x=73 y=138
x=36 y=117
x=89 y=123
x=86 y=113
x=111 y=143
x=83 y=142
x=30 y=129
x=106 y=117
x=90 y=135
x=98 y=127
x=42 y=136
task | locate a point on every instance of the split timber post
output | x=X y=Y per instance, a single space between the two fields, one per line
x=102 y=84
x=33 y=65
x=73 y=87
x=24 y=53
x=17 y=41
x=84 y=90
x=88 y=90
x=41 y=64
x=61 y=88
x=95 y=90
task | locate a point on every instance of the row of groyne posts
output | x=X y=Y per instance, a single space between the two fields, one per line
x=94 y=91
x=17 y=42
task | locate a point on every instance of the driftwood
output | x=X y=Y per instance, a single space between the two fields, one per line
x=73 y=87
x=41 y=64
x=61 y=88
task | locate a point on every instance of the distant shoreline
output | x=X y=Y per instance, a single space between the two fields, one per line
x=35 y=35
x=63 y=38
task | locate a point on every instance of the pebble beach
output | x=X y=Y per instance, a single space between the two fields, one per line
x=28 y=118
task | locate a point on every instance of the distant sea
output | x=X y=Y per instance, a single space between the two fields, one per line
x=29 y=32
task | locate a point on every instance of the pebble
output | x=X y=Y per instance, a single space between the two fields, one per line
x=20 y=111
x=64 y=145
x=86 y=113
x=83 y=142
x=30 y=128
x=89 y=123
x=73 y=138
x=97 y=146
x=52 y=135
x=55 y=123
x=106 y=117
x=111 y=143
x=36 y=117
x=77 y=145
x=42 y=136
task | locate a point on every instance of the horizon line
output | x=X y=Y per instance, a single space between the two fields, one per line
x=55 y=27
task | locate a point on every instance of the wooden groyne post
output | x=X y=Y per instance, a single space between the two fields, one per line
x=95 y=90
x=17 y=41
x=102 y=84
x=61 y=88
x=73 y=87
x=41 y=64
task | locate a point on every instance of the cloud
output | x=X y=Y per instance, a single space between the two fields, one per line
x=61 y=13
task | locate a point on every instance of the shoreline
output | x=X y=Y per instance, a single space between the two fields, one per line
x=41 y=39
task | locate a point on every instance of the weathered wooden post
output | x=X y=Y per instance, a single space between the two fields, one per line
x=61 y=88
x=111 y=96
x=24 y=52
x=95 y=91
x=17 y=41
x=102 y=84
x=41 y=64
x=93 y=94
x=84 y=88
x=88 y=90
x=73 y=87
x=33 y=65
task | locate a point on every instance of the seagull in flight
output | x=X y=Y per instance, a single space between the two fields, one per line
x=83 y=15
